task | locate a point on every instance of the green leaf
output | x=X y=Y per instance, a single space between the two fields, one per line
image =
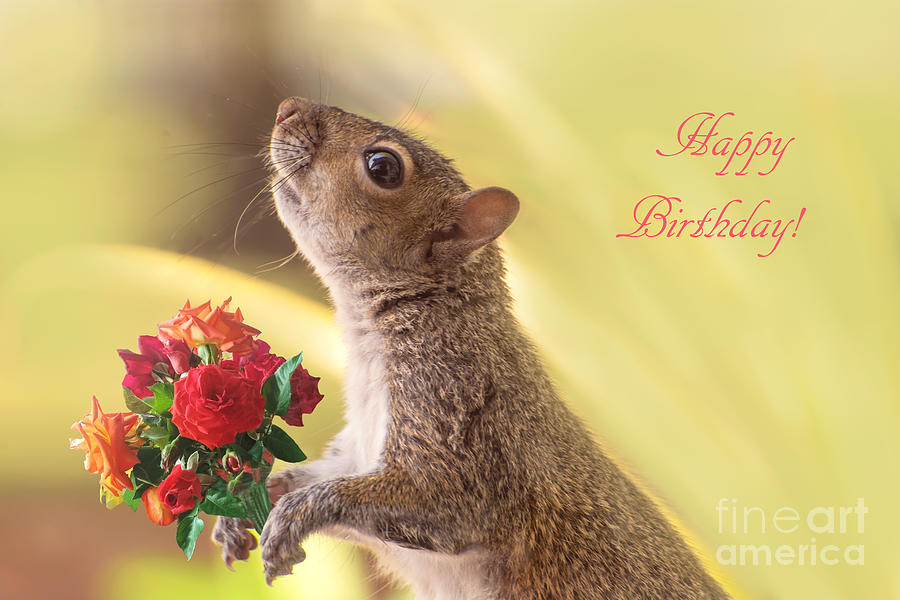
x=206 y=479
x=282 y=446
x=161 y=371
x=277 y=388
x=169 y=448
x=163 y=396
x=189 y=528
x=208 y=353
x=156 y=433
x=134 y=404
x=140 y=486
x=149 y=470
x=256 y=452
x=150 y=418
x=192 y=461
x=219 y=502
x=129 y=498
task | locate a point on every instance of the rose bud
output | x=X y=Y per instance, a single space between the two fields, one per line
x=232 y=463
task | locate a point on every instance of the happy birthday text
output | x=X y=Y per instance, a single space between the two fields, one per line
x=700 y=134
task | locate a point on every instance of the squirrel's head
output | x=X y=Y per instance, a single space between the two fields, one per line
x=363 y=199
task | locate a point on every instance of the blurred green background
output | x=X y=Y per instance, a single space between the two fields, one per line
x=128 y=135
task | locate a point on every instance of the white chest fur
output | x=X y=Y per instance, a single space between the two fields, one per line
x=359 y=449
x=368 y=413
x=436 y=576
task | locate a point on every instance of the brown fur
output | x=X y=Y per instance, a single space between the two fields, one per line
x=481 y=454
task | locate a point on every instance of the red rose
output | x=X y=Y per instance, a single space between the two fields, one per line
x=254 y=374
x=304 y=396
x=230 y=365
x=260 y=350
x=139 y=367
x=179 y=491
x=262 y=367
x=256 y=370
x=212 y=405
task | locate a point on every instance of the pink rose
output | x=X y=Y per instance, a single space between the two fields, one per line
x=178 y=353
x=139 y=367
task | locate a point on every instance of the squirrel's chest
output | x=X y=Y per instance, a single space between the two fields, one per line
x=436 y=576
x=368 y=410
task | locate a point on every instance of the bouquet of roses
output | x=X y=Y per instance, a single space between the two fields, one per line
x=200 y=435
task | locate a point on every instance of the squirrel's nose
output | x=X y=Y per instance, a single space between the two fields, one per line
x=289 y=107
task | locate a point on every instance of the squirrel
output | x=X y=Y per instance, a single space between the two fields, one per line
x=460 y=467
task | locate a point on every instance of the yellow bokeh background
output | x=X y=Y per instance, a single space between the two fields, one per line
x=127 y=140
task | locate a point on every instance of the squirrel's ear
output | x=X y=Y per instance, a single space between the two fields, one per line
x=484 y=214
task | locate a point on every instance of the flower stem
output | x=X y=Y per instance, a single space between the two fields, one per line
x=208 y=353
x=255 y=498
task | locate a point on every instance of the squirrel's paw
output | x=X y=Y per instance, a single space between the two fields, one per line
x=235 y=539
x=282 y=482
x=280 y=541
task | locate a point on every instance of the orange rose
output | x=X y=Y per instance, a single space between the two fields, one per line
x=108 y=441
x=203 y=324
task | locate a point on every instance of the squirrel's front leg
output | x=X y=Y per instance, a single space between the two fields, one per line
x=385 y=505
x=234 y=535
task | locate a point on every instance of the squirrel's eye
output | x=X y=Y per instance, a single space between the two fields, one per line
x=384 y=168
